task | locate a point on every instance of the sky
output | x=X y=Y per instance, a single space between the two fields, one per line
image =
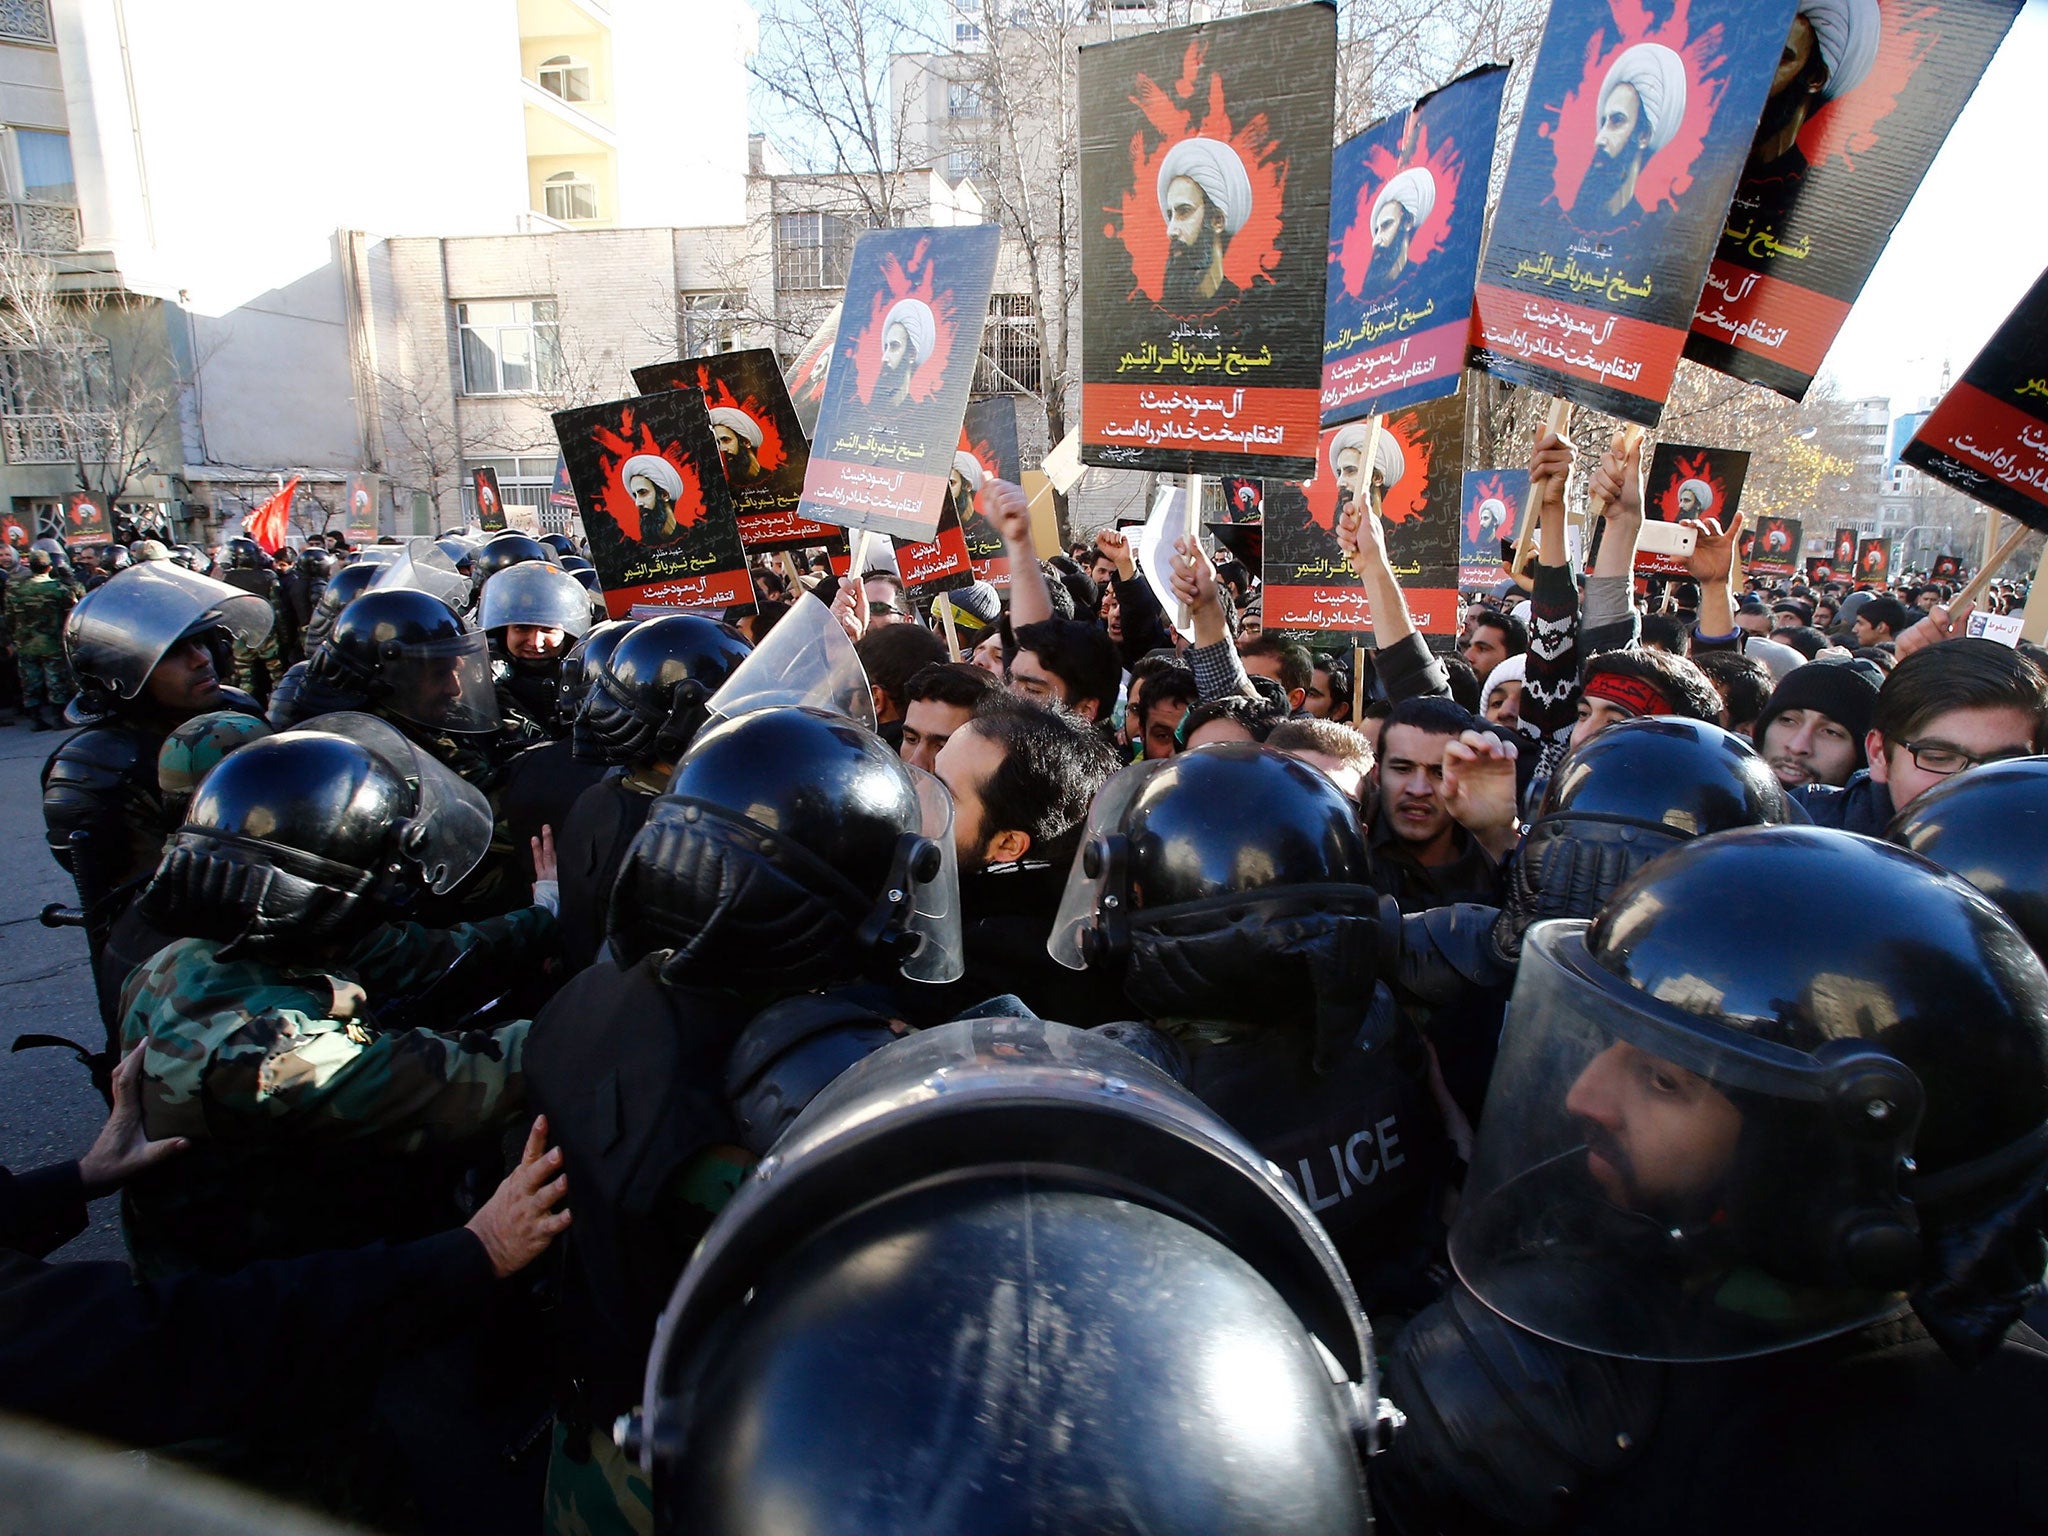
x=1973 y=240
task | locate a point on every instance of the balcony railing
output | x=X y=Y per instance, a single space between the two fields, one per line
x=48 y=228
x=45 y=439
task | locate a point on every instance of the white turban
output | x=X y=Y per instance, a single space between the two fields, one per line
x=1658 y=76
x=1414 y=189
x=1846 y=32
x=654 y=469
x=1702 y=492
x=1215 y=167
x=915 y=316
x=1387 y=456
x=969 y=468
x=739 y=421
x=1493 y=510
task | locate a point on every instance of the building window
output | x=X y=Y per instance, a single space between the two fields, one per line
x=963 y=100
x=509 y=346
x=966 y=34
x=43 y=166
x=963 y=163
x=812 y=250
x=570 y=198
x=1010 y=362
x=565 y=77
x=711 y=322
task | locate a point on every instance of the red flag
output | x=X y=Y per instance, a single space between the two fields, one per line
x=268 y=523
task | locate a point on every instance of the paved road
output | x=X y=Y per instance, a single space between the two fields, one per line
x=48 y=1110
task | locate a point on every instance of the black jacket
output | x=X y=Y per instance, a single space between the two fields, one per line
x=1862 y=805
x=1006 y=917
x=150 y=1363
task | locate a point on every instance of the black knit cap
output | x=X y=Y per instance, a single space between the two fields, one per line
x=1846 y=692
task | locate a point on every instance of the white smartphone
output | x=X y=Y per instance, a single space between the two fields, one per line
x=1661 y=538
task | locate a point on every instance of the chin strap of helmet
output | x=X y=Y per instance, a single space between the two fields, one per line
x=1567 y=867
x=248 y=893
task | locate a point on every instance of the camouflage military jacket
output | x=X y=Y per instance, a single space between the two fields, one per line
x=36 y=610
x=314 y=1126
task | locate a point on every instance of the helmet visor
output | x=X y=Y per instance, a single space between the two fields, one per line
x=807 y=660
x=544 y=596
x=424 y=568
x=451 y=827
x=1096 y=894
x=444 y=685
x=933 y=890
x=117 y=634
x=1653 y=1185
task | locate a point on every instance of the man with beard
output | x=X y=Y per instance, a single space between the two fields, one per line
x=909 y=336
x=1205 y=196
x=1021 y=775
x=654 y=485
x=1828 y=53
x=1493 y=518
x=1695 y=500
x=1813 y=728
x=1347 y=460
x=738 y=437
x=1403 y=203
x=1638 y=110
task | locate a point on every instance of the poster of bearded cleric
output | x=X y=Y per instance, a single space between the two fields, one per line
x=1407 y=207
x=1864 y=94
x=1873 y=562
x=1988 y=436
x=1416 y=471
x=1492 y=516
x=1688 y=484
x=1205 y=187
x=655 y=507
x=988 y=451
x=1636 y=127
x=1771 y=546
x=902 y=365
x=760 y=444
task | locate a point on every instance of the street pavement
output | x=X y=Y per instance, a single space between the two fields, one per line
x=48 y=1109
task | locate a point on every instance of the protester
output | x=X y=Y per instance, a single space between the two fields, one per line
x=1420 y=856
x=1812 y=728
x=939 y=699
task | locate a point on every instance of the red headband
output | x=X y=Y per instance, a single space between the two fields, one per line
x=1631 y=693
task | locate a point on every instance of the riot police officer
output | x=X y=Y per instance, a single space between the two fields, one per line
x=532 y=613
x=1006 y=1278
x=250 y=569
x=283 y=889
x=149 y=650
x=793 y=858
x=342 y=586
x=646 y=701
x=1227 y=888
x=406 y=655
x=1752 y=1183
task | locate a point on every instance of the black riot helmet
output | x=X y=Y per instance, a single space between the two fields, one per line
x=1228 y=884
x=1721 y=1127
x=116 y=558
x=407 y=654
x=118 y=633
x=574 y=563
x=245 y=554
x=344 y=586
x=537 y=593
x=1636 y=790
x=504 y=550
x=563 y=546
x=315 y=839
x=1084 y=1300
x=1990 y=825
x=579 y=668
x=1231 y=826
x=792 y=847
x=316 y=565
x=647 y=698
